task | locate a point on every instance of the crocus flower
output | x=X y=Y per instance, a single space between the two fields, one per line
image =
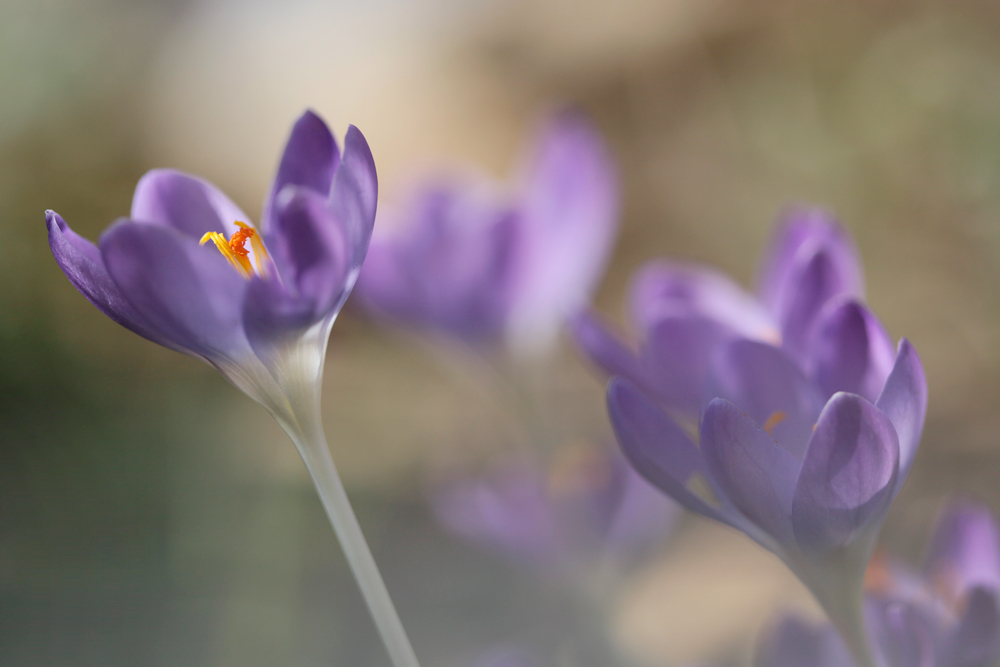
x=588 y=507
x=803 y=446
x=188 y=270
x=471 y=261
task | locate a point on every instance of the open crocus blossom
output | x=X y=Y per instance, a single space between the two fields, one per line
x=188 y=270
x=589 y=510
x=802 y=446
x=468 y=260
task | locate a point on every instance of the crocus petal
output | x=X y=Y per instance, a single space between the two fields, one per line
x=676 y=359
x=850 y=351
x=755 y=472
x=965 y=549
x=353 y=195
x=901 y=633
x=82 y=263
x=904 y=401
x=811 y=260
x=188 y=293
x=800 y=234
x=309 y=161
x=657 y=447
x=977 y=639
x=509 y=511
x=187 y=203
x=570 y=219
x=848 y=474
x=604 y=348
x=312 y=255
x=661 y=289
x=771 y=388
x=797 y=643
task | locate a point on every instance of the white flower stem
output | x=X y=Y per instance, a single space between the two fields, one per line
x=312 y=446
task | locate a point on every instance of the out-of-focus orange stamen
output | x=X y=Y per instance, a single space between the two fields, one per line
x=776 y=418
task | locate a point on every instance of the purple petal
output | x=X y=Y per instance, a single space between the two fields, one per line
x=187 y=203
x=309 y=161
x=851 y=351
x=764 y=382
x=570 y=220
x=664 y=289
x=902 y=634
x=450 y=268
x=965 y=549
x=509 y=511
x=811 y=260
x=188 y=293
x=848 y=474
x=604 y=348
x=977 y=639
x=82 y=263
x=677 y=357
x=657 y=448
x=796 y=643
x=642 y=514
x=312 y=257
x=354 y=194
x=904 y=401
x=754 y=471
x=799 y=235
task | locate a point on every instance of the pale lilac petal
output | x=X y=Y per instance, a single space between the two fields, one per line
x=965 y=549
x=811 y=260
x=765 y=383
x=187 y=203
x=354 y=194
x=754 y=471
x=187 y=293
x=976 y=642
x=901 y=633
x=657 y=447
x=509 y=511
x=904 y=401
x=310 y=159
x=641 y=513
x=677 y=357
x=797 y=643
x=665 y=289
x=603 y=347
x=848 y=474
x=569 y=210
x=850 y=351
x=82 y=263
x=800 y=234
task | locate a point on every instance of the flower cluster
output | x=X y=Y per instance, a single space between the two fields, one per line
x=807 y=426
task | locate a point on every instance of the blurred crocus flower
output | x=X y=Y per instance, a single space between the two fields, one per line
x=471 y=261
x=179 y=272
x=189 y=271
x=945 y=615
x=803 y=446
x=589 y=508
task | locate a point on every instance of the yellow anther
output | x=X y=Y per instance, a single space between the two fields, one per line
x=776 y=418
x=235 y=250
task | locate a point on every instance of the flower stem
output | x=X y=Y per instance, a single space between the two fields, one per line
x=312 y=446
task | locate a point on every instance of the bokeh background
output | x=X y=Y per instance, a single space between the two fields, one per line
x=150 y=514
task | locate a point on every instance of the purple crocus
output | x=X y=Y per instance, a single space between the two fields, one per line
x=587 y=508
x=468 y=259
x=179 y=272
x=807 y=430
x=256 y=303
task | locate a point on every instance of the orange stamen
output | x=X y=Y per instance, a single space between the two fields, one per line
x=235 y=251
x=776 y=418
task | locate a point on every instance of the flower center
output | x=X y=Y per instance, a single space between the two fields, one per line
x=236 y=252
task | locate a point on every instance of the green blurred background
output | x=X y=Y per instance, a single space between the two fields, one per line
x=150 y=514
